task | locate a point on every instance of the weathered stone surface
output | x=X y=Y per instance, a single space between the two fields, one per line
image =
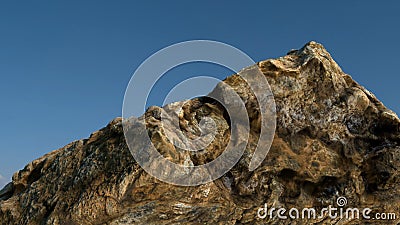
x=333 y=138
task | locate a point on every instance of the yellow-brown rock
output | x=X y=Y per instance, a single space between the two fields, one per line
x=333 y=138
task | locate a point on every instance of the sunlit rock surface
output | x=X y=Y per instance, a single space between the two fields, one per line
x=333 y=139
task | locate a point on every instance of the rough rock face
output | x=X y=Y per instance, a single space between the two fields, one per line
x=333 y=138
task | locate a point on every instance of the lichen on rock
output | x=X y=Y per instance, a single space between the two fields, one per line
x=333 y=138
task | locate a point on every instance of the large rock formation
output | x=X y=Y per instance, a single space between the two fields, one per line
x=333 y=138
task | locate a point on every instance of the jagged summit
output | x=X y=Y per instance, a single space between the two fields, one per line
x=333 y=139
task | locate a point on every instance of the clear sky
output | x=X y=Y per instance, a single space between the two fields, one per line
x=64 y=66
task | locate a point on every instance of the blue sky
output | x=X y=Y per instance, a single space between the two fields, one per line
x=64 y=66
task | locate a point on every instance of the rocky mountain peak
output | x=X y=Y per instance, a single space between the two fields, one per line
x=333 y=140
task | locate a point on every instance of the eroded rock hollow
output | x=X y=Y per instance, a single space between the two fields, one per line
x=333 y=139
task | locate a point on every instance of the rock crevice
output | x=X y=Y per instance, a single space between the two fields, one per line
x=334 y=138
